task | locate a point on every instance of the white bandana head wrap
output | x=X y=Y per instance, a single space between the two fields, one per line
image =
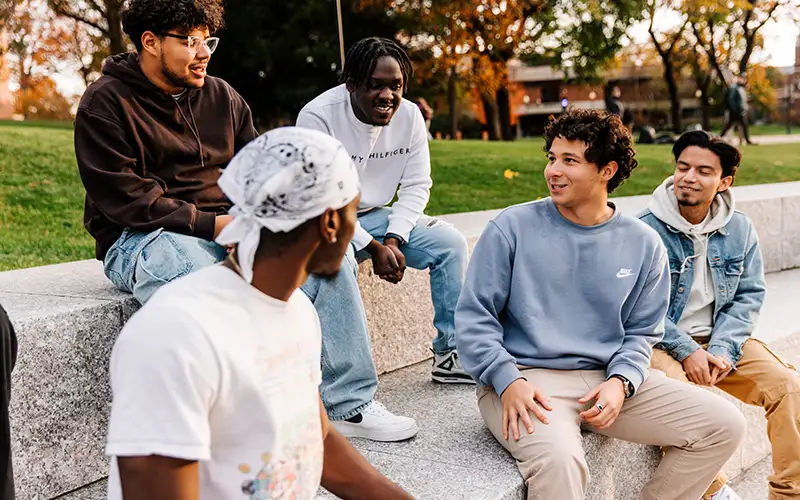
x=280 y=180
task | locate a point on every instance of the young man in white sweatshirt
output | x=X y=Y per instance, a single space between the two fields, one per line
x=386 y=137
x=716 y=294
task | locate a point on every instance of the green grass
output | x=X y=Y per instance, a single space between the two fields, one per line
x=41 y=199
x=468 y=175
x=41 y=195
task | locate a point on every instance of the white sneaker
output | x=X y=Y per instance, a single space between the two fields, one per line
x=726 y=493
x=377 y=423
x=447 y=369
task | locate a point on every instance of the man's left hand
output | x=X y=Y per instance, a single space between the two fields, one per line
x=393 y=244
x=719 y=374
x=608 y=398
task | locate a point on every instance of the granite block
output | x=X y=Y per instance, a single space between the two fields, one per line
x=94 y=491
x=780 y=316
x=73 y=279
x=768 y=222
x=452 y=433
x=790 y=208
x=60 y=393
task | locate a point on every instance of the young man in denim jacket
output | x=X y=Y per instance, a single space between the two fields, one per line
x=717 y=290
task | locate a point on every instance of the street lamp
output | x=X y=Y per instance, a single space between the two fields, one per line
x=341 y=33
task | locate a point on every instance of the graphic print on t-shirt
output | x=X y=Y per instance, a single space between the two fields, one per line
x=288 y=478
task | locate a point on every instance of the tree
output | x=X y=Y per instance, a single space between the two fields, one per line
x=666 y=45
x=37 y=44
x=100 y=15
x=279 y=55
x=729 y=33
x=41 y=100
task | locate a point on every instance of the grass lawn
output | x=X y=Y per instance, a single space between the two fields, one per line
x=41 y=195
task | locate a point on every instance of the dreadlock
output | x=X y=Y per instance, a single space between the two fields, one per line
x=363 y=56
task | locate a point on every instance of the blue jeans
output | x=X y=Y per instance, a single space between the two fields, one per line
x=439 y=247
x=139 y=263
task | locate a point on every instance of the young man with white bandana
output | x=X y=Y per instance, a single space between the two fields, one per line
x=215 y=381
x=716 y=294
x=386 y=137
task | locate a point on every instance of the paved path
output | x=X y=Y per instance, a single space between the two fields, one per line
x=768 y=139
x=752 y=484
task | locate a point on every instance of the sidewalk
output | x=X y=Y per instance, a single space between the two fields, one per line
x=768 y=139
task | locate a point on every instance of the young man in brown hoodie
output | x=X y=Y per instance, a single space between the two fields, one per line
x=151 y=138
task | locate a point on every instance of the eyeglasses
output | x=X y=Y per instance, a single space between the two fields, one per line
x=193 y=43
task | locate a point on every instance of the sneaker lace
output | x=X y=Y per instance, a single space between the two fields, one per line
x=377 y=409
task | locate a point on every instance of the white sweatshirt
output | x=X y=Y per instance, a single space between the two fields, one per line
x=396 y=154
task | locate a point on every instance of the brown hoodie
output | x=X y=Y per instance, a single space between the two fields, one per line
x=149 y=161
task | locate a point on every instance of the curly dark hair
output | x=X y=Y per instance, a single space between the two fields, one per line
x=606 y=139
x=161 y=16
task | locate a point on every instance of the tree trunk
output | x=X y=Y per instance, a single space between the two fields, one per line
x=490 y=111
x=451 y=101
x=504 y=113
x=116 y=37
x=674 y=98
x=705 y=104
x=6 y=98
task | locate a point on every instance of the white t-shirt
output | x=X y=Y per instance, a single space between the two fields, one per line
x=386 y=157
x=211 y=369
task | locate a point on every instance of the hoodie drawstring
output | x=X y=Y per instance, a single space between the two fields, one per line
x=195 y=129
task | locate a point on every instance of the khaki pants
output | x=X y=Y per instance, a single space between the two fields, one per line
x=699 y=431
x=761 y=379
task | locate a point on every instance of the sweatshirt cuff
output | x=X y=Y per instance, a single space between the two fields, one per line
x=204 y=225
x=361 y=238
x=401 y=227
x=630 y=372
x=504 y=376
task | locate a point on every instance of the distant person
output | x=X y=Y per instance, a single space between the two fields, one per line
x=614 y=103
x=386 y=137
x=8 y=358
x=718 y=289
x=559 y=331
x=736 y=108
x=151 y=138
x=215 y=381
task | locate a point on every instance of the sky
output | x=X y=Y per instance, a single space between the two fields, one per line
x=780 y=37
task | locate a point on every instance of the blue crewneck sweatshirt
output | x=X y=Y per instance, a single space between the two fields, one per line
x=544 y=292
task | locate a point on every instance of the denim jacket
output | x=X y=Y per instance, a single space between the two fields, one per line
x=737 y=269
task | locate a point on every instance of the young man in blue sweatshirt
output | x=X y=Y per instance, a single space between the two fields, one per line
x=559 y=331
x=717 y=292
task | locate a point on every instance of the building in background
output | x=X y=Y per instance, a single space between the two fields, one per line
x=540 y=91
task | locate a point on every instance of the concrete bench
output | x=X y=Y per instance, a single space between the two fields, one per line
x=68 y=315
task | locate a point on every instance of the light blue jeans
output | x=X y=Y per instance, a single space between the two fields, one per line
x=439 y=247
x=140 y=263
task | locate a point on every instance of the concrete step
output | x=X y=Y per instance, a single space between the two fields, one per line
x=752 y=484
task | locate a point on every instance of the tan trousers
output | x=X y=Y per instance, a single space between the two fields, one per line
x=762 y=379
x=699 y=431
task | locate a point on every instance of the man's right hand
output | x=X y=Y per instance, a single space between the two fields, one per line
x=385 y=263
x=698 y=366
x=518 y=399
x=220 y=221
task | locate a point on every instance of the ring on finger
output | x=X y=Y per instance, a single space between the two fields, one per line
x=599 y=407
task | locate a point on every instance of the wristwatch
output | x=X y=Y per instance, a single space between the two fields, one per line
x=626 y=384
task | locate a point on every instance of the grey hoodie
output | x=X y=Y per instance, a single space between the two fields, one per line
x=698 y=315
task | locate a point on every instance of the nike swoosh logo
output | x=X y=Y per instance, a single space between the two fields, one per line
x=622 y=274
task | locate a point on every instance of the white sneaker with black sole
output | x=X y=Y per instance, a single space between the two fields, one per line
x=377 y=423
x=447 y=369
